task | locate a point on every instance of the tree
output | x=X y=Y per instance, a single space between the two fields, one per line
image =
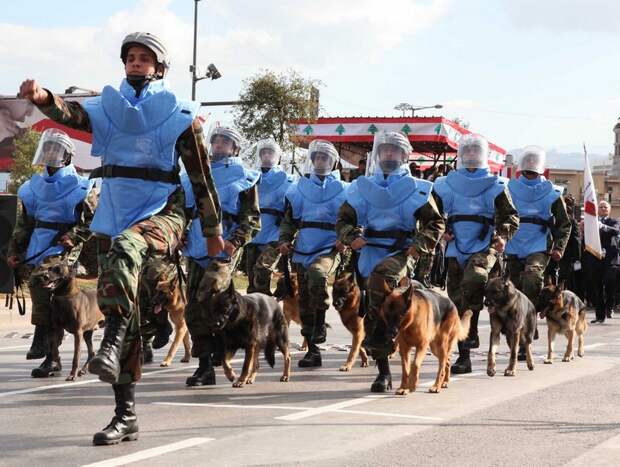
x=271 y=101
x=25 y=147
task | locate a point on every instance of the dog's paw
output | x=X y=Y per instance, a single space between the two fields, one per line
x=444 y=385
x=402 y=391
x=238 y=384
x=509 y=372
x=530 y=367
x=567 y=358
x=548 y=361
x=345 y=367
x=231 y=376
x=82 y=372
x=185 y=360
x=364 y=364
x=71 y=377
x=491 y=372
x=284 y=379
x=434 y=389
x=580 y=354
x=164 y=364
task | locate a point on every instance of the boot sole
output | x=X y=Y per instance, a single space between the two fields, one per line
x=105 y=374
x=460 y=371
x=46 y=375
x=109 y=442
x=381 y=388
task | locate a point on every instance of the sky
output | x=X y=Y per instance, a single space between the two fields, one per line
x=521 y=72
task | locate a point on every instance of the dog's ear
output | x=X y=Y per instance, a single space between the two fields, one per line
x=408 y=295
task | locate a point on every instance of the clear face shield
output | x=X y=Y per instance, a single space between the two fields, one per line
x=221 y=149
x=54 y=150
x=268 y=154
x=322 y=158
x=533 y=159
x=473 y=153
x=390 y=154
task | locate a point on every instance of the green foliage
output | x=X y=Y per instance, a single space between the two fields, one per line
x=22 y=170
x=270 y=101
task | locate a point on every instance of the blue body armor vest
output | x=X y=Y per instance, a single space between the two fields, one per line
x=386 y=210
x=533 y=202
x=132 y=134
x=52 y=201
x=230 y=180
x=272 y=187
x=315 y=205
x=469 y=202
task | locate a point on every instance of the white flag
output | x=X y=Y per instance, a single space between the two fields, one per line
x=590 y=211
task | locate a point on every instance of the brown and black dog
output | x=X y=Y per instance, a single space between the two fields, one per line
x=566 y=314
x=251 y=322
x=514 y=315
x=418 y=317
x=74 y=310
x=346 y=298
x=290 y=302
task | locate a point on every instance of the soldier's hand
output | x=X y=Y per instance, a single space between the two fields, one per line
x=448 y=237
x=556 y=255
x=229 y=248
x=31 y=90
x=66 y=242
x=12 y=261
x=215 y=245
x=499 y=244
x=340 y=247
x=413 y=252
x=358 y=243
x=284 y=249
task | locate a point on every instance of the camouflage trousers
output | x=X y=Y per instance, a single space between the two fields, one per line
x=528 y=274
x=313 y=292
x=202 y=283
x=159 y=276
x=121 y=263
x=262 y=262
x=466 y=285
x=388 y=272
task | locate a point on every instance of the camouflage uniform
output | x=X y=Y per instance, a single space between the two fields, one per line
x=121 y=260
x=262 y=262
x=528 y=274
x=78 y=234
x=430 y=228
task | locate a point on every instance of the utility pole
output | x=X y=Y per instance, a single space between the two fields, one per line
x=193 y=70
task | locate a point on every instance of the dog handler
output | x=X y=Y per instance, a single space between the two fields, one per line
x=139 y=131
x=57 y=207
x=210 y=274
x=391 y=218
x=480 y=220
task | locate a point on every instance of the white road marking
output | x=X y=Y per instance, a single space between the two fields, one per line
x=150 y=453
x=240 y=398
x=231 y=406
x=311 y=412
x=594 y=346
x=15 y=347
x=387 y=414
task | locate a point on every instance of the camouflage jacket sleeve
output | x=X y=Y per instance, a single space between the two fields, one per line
x=248 y=218
x=562 y=229
x=506 y=216
x=430 y=227
x=192 y=150
x=24 y=226
x=69 y=113
x=288 y=226
x=80 y=232
x=346 y=224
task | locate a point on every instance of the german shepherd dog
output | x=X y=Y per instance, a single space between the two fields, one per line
x=346 y=298
x=290 y=302
x=418 y=317
x=74 y=310
x=514 y=315
x=566 y=314
x=252 y=322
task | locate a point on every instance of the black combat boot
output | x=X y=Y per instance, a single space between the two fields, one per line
x=319 y=331
x=106 y=364
x=147 y=351
x=312 y=358
x=164 y=330
x=48 y=368
x=204 y=374
x=40 y=346
x=383 y=381
x=124 y=424
x=463 y=363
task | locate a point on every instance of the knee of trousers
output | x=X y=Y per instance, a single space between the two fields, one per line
x=195 y=320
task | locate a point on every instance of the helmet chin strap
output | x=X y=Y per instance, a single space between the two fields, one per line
x=138 y=82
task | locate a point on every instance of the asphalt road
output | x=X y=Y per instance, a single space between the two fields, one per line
x=560 y=414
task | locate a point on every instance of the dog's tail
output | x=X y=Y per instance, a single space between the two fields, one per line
x=270 y=352
x=280 y=332
x=465 y=324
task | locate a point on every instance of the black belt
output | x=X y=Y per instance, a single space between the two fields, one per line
x=227 y=216
x=273 y=212
x=317 y=225
x=143 y=173
x=395 y=233
x=485 y=221
x=62 y=227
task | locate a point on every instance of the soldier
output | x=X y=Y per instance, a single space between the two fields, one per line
x=262 y=252
x=57 y=207
x=391 y=218
x=480 y=220
x=209 y=274
x=544 y=227
x=309 y=219
x=139 y=132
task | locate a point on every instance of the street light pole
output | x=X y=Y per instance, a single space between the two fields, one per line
x=437 y=106
x=195 y=41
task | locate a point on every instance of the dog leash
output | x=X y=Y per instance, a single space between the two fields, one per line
x=359 y=280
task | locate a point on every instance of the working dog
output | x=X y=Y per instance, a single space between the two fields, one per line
x=346 y=298
x=253 y=322
x=290 y=302
x=419 y=317
x=73 y=309
x=566 y=314
x=514 y=315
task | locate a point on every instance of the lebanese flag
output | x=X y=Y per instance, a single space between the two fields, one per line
x=590 y=212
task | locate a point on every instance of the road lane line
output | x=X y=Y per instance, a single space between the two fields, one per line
x=595 y=345
x=15 y=347
x=387 y=414
x=327 y=408
x=231 y=406
x=150 y=453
